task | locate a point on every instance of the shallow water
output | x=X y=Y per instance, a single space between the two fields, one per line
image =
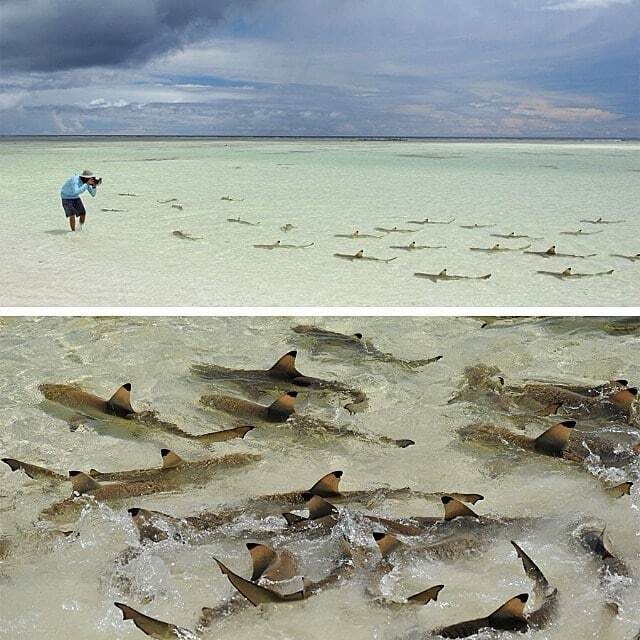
x=65 y=588
x=323 y=188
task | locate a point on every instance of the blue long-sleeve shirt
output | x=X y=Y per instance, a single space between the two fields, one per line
x=73 y=187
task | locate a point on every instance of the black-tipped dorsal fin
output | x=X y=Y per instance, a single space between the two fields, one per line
x=82 y=483
x=512 y=609
x=455 y=509
x=254 y=593
x=283 y=407
x=624 y=398
x=318 y=507
x=261 y=557
x=327 y=486
x=555 y=439
x=426 y=596
x=120 y=401
x=386 y=542
x=170 y=459
x=286 y=366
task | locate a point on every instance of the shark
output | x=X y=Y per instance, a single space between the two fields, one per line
x=282 y=410
x=119 y=412
x=357 y=342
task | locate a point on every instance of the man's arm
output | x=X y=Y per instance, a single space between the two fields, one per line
x=91 y=190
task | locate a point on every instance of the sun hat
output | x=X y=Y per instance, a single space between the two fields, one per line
x=87 y=174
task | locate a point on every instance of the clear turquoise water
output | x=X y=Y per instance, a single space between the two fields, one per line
x=70 y=586
x=324 y=188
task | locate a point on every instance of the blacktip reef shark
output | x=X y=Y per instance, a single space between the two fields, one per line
x=512 y=235
x=579 y=232
x=569 y=273
x=511 y=615
x=174 y=470
x=287 y=227
x=444 y=276
x=119 y=411
x=476 y=226
x=106 y=210
x=603 y=221
x=183 y=235
x=413 y=246
x=283 y=371
x=394 y=230
x=496 y=248
x=278 y=245
x=84 y=486
x=230 y=199
x=169 y=201
x=357 y=342
x=552 y=253
x=282 y=410
x=430 y=221
x=356 y=234
x=239 y=220
x=558 y=441
x=508 y=617
x=632 y=258
x=360 y=256
x=610 y=399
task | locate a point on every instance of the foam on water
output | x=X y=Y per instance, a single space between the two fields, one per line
x=323 y=188
x=65 y=587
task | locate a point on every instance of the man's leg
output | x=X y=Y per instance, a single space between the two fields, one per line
x=82 y=219
x=72 y=222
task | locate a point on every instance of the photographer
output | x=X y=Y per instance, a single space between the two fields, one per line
x=70 y=194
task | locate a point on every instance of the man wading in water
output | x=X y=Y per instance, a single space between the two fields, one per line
x=70 y=194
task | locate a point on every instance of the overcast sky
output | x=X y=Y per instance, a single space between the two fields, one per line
x=321 y=67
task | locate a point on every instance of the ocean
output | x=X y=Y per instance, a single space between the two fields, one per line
x=129 y=254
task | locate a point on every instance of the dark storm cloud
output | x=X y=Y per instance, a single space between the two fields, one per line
x=53 y=35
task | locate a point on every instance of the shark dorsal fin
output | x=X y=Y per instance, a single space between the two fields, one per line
x=624 y=398
x=120 y=401
x=170 y=460
x=386 y=542
x=261 y=557
x=283 y=407
x=554 y=440
x=318 y=507
x=511 y=610
x=327 y=486
x=82 y=483
x=254 y=593
x=453 y=508
x=286 y=366
x=426 y=596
